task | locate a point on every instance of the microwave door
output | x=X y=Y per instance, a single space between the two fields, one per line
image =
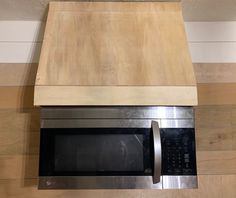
x=96 y=157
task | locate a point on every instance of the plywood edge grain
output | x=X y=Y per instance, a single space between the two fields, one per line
x=115 y=95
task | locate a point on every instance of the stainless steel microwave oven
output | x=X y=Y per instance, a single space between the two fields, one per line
x=117 y=148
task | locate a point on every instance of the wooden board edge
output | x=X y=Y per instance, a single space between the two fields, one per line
x=115 y=95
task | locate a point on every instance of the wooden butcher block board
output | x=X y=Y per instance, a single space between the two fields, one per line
x=115 y=53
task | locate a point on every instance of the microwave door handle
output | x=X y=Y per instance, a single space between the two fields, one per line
x=157 y=152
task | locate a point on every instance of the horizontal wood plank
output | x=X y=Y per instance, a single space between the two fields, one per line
x=213 y=138
x=216 y=162
x=18 y=74
x=234 y=117
x=19 y=142
x=216 y=93
x=16 y=97
x=217 y=186
x=13 y=121
x=213 y=116
x=215 y=72
x=19 y=131
x=18 y=166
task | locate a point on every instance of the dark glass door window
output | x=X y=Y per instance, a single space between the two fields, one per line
x=101 y=151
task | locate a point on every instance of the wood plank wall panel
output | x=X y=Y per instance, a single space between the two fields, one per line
x=16 y=97
x=18 y=74
x=216 y=93
x=215 y=72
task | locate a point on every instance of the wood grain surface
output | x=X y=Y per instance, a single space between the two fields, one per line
x=18 y=74
x=115 y=44
x=16 y=97
x=96 y=44
x=215 y=72
x=115 y=95
x=216 y=93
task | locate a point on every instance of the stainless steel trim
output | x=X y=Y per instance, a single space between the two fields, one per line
x=177 y=123
x=98 y=182
x=157 y=152
x=179 y=182
x=97 y=123
x=115 y=123
x=154 y=112
x=117 y=182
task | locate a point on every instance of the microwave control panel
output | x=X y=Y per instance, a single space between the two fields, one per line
x=178 y=151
